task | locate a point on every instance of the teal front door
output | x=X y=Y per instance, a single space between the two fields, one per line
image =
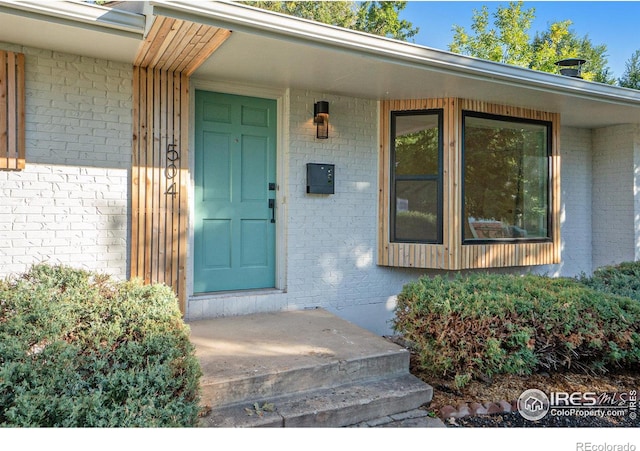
x=235 y=171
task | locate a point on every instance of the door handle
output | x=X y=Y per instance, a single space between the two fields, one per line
x=272 y=206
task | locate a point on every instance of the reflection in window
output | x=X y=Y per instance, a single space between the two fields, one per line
x=416 y=201
x=506 y=178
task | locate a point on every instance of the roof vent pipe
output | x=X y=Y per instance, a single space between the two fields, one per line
x=571 y=67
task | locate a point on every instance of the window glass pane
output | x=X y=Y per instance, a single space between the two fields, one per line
x=506 y=172
x=416 y=183
x=416 y=144
x=417 y=210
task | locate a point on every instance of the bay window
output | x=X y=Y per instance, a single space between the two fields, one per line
x=466 y=184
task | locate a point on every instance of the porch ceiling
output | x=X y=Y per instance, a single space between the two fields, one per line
x=273 y=50
x=178 y=45
x=72 y=27
x=259 y=60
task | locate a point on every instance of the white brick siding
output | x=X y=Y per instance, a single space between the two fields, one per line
x=635 y=134
x=70 y=203
x=575 y=218
x=614 y=193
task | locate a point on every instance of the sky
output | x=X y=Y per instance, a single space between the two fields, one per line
x=613 y=23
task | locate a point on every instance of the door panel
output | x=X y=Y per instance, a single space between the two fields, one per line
x=235 y=151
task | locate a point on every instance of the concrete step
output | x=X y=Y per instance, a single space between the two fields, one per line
x=271 y=355
x=316 y=369
x=344 y=405
x=332 y=373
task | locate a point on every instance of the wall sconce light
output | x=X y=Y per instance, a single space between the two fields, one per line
x=321 y=119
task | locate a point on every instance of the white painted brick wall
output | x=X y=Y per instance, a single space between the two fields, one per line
x=575 y=220
x=70 y=204
x=614 y=236
x=635 y=133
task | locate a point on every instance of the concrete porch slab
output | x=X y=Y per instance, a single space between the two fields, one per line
x=316 y=368
x=242 y=346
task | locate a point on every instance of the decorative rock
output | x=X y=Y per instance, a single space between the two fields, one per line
x=448 y=412
x=506 y=406
x=463 y=411
x=477 y=409
x=492 y=407
x=514 y=406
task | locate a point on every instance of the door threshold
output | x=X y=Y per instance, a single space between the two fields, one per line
x=237 y=293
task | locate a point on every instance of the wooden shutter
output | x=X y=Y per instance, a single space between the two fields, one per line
x=12 y=132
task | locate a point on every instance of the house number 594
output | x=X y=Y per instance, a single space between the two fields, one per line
x=171 y=169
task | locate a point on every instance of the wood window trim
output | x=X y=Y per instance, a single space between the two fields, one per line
x=452 y=254
x=12 y=111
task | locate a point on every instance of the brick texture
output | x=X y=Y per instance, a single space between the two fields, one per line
x=614 y=190
x=70 y=204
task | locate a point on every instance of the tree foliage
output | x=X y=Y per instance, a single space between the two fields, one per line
x=380 y=18
x=631 y=76
x=507 y=39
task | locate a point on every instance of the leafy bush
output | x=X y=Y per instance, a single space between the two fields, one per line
x=622 y=279
x=81 y=350
x=486 y=324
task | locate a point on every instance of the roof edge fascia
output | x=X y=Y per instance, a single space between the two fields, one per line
x=80 y=14
x=270 y=24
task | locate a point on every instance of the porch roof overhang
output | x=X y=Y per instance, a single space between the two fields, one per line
x=278 y=51
x=73 y=27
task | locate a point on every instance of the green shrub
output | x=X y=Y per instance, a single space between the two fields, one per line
x=81 y=350
x=486 y=324
x=622 y=279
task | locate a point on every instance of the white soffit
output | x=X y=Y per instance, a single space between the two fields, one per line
x=271 y=49
x=72 y=27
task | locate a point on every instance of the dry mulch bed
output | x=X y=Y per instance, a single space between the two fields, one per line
x=508 y=388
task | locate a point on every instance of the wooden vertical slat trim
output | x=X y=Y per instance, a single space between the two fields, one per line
x=12 y=123
x=169 y=243
x=142 y=148
x=220 y=36
x=20 y=112
x=135 y=176
x=165 y=35
x=199 y=37
x=161 y=175
x=184 y=180
x=4 y=147
x=173 y=45
x=175 y=202
x=172 y=50
x=154 y=39
x=157 y=176
x=455 y=179
x=148 y=182
x=383 y=187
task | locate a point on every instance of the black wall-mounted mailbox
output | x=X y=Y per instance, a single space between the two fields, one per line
x=320 y=178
